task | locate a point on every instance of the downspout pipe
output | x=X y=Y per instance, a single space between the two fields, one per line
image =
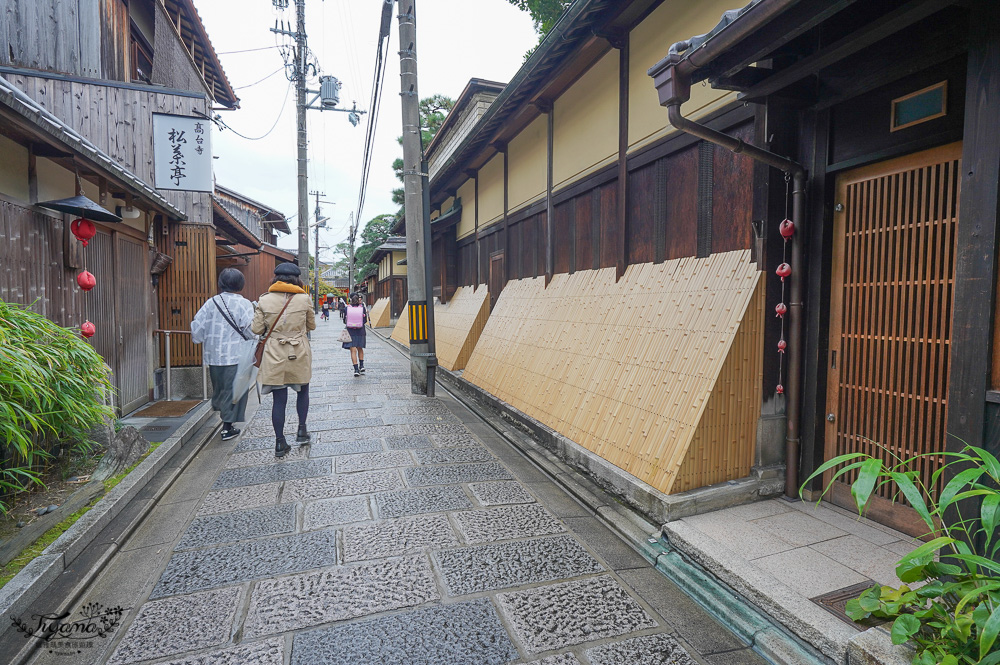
x=674 y=87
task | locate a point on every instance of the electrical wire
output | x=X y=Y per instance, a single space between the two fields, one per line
x=222 y=124
x=249 y=85
x=376 y=101
x=247 y=50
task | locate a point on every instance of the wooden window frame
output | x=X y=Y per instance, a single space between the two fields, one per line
x=893 y=127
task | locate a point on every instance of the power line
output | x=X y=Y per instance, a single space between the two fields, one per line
x=376 y=101
x=261 y=80
x=247 y=50
x=219 y=121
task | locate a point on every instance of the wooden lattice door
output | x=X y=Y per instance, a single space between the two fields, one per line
x=496 y=281
x=890 y=317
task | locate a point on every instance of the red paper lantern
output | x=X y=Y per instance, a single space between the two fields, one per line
x=87 y=329
x=781 y=309
x=86 y=280
x=83 y=229
x=783 y=271
x=786 y=229
x=782 y=345
x=780 y=389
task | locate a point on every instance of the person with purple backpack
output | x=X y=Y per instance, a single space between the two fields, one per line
x=355 y=319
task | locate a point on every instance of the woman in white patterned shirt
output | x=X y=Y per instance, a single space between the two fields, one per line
x=222 y=325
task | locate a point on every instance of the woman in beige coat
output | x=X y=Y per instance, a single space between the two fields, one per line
x=287 y=361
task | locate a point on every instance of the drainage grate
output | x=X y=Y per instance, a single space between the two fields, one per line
x=835 y=603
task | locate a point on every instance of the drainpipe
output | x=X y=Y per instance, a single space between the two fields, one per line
x=673 y=83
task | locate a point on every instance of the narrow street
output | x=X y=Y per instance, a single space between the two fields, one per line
x=408 y=532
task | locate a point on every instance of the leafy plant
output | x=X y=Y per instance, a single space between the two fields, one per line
x=954 y=618
x=52 y=388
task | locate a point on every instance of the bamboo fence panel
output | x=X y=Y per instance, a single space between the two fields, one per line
x=380 y=314
x=458 y=325
x=401 y=333
x=659 y=373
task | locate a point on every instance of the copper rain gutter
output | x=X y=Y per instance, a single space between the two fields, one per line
x=672 y=78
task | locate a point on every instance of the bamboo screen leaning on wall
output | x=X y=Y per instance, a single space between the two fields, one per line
x=380 y=314
x=660 y=373
x=458 y=325
x=401 y=333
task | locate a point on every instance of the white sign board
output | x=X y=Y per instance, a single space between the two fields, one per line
x=182 y=153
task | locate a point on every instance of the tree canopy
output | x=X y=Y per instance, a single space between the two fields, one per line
x=544 y=13
x=433 y=112
x=375 y=233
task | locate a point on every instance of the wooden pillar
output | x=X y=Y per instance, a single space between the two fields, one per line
x=550 y=259
x=976 y=248
x=621 y=42
x=502 y=148
x=475 y=185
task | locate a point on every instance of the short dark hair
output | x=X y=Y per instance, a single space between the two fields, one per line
x=231 y=280
x=355 y=299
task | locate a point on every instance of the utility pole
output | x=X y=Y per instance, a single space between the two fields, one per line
x=422 y=358
x=316 y=226
x=302 y=141
x=328 y=96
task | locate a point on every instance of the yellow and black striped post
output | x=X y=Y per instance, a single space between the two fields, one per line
x=418 y=322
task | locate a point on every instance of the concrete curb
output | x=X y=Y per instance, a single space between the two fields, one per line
x=29 y=584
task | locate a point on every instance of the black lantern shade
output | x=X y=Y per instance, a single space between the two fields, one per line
x=81 y=206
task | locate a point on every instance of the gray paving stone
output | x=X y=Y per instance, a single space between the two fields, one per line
x=363 y=433
x=229 y=564
x=419 y=418
x=254 y=443
x=453 y=455
x=404 y=442
x=344 y=592
x=175 y=625
x=456 y=473
x=560 y=659
x=372 y=461
x=239 y=525
x=265 y=456
x=568 y=613
x=332 y=448
x=506 y=522
x=448 y=428
x=364 y=482
x=501 y=493
x=451 y=440
x=410 y=410
x=258 y=475
x=460 y=634
x=504 y=565
x=396 y=537
x=352 y=406
x=421 y=500
x=336 y=511
x=265 y=652
x=649 y=650
x=344 y=423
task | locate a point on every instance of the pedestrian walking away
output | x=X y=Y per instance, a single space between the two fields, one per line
x=222 y=327
x=286 y=311
x=355 y=319
x=342 y=308
x=326 y=311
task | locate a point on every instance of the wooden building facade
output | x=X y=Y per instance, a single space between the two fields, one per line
x=576 y=168
x=82 y=80
x=390 y=281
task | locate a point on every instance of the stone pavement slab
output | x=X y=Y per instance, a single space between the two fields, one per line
x=329 y=487
x=501 y=493
x=269 y=473
x=421 y=500
x=328 y=512
x=236 y=498
x=241 y=525
x=394 y=537
x=459 y=634
x=265 y=652
x=456 y=473
x=506 y=522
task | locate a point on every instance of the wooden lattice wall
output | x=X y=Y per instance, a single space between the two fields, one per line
x=659 y=373
x=458 y=325
x=401 y=333
x=379 y=315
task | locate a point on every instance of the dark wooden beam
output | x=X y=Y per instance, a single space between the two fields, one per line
x=976 y=249
x=869 y=35
x=796 y=21
x=549 y=205
x=623 y=79
x=506 y=218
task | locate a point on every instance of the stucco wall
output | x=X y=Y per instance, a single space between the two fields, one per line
x=13 y=170
x=528 y=157
x=585 y=123
x=491 y=191
x=467 y=192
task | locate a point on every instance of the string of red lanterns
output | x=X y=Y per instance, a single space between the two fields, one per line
x=84 y=230
x=787 y=229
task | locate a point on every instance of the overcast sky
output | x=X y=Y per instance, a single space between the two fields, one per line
x=456 y=40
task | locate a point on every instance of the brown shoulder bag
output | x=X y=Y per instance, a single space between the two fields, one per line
x=258 y=354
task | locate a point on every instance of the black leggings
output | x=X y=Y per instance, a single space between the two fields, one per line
x=280 y=396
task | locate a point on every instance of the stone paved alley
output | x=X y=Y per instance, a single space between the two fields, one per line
x=408 y=532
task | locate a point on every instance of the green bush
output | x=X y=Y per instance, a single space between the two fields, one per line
x=52 y=388
x=954 y=618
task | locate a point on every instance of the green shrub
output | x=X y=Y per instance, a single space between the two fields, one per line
x=954 y=618
x=52 y=388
